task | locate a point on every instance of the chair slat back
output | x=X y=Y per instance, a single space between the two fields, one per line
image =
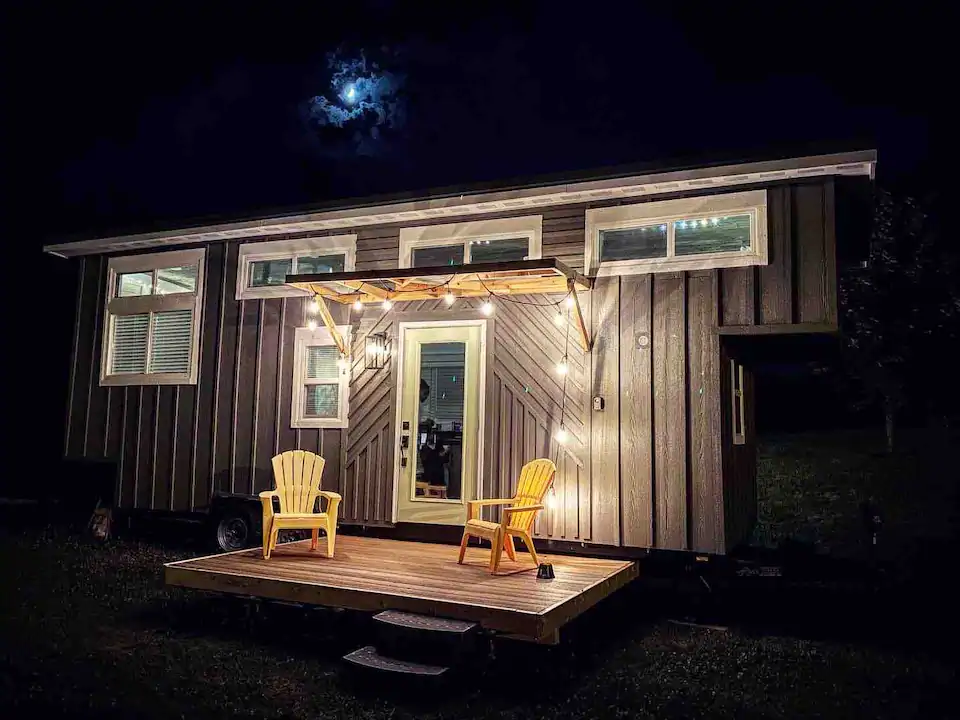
x=536 y=477
x=297 y=475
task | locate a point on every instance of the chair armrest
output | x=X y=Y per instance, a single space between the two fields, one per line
x=333 y=503
x=473 y=505
x=266 y=499
x=508 y=513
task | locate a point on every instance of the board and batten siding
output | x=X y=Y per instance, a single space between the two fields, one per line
x=654 y=468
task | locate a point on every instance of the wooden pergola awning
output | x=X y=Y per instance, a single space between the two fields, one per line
x=516 y=277
x=474 y=280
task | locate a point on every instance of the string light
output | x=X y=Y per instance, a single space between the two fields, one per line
x=568 y=302
x=449 y=298
x=487 y=307
x=342 y=363
x=314 y=306
x=311 y=324
x=562 y=435
x=358 y=304
x=563 y=367
x=387 y=305
x=558 y=319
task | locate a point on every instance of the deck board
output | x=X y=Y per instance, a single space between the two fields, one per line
x=378 y=574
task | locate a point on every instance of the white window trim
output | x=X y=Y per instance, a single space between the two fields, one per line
x=620 y=217
x=529 y=226
x=152 y=303
x=303 y=339
x=284 y=249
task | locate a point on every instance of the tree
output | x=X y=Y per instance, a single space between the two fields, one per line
x=899 y=315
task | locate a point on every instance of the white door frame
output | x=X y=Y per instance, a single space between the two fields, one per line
x=482 y=390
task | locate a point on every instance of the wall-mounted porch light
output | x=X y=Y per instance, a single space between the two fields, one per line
x=377 y=350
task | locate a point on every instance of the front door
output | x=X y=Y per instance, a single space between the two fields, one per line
x=441 y=399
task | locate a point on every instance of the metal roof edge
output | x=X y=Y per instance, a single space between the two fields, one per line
x=430 y=207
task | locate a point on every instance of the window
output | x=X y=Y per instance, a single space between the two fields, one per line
x=728 y=230
x=320 y=384
x=152 y=322
x=264 y=266
x=498 y=240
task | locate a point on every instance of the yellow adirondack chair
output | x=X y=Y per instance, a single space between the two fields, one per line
x=297 y=476
x=536 y=477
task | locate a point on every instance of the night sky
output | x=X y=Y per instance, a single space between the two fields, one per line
x=127 y=118
x=147 y=115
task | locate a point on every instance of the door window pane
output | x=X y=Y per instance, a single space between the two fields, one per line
x=498 y=250
x=442 y=255
x=712 y=235
x=639 y=243
x=320 y=264
x=135 y=284
x=176 y=280
x=264 y=273
x=440 y=425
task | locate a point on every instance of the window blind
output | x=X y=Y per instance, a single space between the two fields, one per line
x=322 y=363
x=170 y=350
x=129 y=343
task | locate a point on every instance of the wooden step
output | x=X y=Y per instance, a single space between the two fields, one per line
x=368 y=657
x=427 y=623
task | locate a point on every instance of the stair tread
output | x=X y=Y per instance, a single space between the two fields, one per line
x=369 y=657
x=424 y=622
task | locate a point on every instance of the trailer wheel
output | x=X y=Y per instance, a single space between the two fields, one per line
x=234 y=530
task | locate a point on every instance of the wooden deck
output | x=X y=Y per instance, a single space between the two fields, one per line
x=375 y=574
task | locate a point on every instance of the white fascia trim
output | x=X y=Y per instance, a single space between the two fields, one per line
x=849 y=164
x=250 y=252
x=529 y=226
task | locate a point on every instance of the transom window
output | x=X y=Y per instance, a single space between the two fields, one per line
x=320 y=380
x=499 y=240
x=151 y=332
x=686 y=234
x=264 y=266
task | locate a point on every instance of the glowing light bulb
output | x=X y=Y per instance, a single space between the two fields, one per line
x=563 y=367
x=449 y=298
x=311 y=324
x=357 y=305
x=387 y=305
x=314 y=307
x=562 y=435
x=552 y=499
x=487 y=308
x=558 y=319
x=568 y=302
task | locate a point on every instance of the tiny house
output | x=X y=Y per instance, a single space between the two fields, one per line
x=428 y=348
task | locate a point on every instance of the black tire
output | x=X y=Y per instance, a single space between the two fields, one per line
x=233 y=530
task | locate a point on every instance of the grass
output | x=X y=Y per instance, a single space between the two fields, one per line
x=89 y=630
x=810 y=487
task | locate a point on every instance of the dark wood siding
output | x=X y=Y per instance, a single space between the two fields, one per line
x=797 y=290
x=656 y=467
x=739 y=461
